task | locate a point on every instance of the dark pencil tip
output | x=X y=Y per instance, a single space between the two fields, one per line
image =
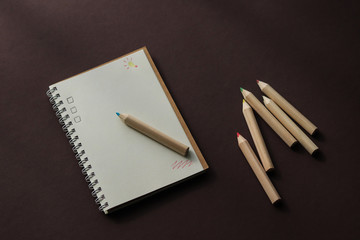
x=118 y=114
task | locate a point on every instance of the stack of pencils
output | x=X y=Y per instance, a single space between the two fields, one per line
x=275 y=113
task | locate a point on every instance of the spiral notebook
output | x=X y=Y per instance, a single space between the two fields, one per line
x=122 y=165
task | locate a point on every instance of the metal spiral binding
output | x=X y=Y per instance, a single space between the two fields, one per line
x=63 y=119
x=76 y=147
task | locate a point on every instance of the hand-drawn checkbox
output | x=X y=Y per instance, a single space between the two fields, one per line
x=77 y=119
x=70 y=100
x=73 y=110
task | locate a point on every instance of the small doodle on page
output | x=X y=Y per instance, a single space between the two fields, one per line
x=128 y=63
x=70 y=100
x=77 y=119
x=181 y=164
x=73 y=110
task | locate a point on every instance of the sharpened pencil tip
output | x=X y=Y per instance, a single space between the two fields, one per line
x=241 y=89
x=237 y=134
x=118 y=114
x=257 y=81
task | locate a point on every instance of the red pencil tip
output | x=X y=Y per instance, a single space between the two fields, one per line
x=257 y=81
x=238 y=134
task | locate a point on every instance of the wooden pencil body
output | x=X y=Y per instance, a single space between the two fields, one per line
x=257 y=137
x=291 y=126
x=258 y=170
x=289 y=109
x=155 y=134
x=269 y=118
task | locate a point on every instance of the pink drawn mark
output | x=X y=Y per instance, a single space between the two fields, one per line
x=181 y=164
x=129 y=63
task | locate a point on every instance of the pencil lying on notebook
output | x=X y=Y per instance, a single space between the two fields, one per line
x=154 y=134
x=258 y=169
x=268 y=117
x=287 y=107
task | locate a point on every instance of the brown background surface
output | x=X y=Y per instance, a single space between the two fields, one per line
x=205 y=50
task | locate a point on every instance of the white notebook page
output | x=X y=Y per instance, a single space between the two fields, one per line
x=126 y=163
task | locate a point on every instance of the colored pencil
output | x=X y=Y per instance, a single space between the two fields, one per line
x=268 y=117
x=258 y=169
x=290 y=125
x=154 y=134
x=257 y=137
x=287 y=107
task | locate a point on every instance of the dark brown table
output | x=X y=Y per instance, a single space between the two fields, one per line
x=205 y=51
